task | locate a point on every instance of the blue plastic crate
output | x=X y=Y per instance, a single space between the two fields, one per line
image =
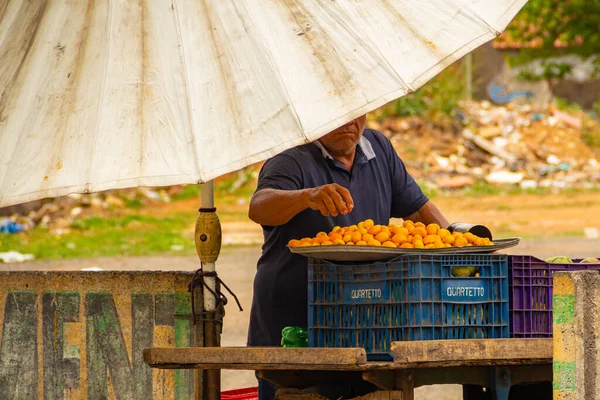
x=413 y=297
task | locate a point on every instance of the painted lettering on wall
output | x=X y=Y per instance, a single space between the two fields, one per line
x=35 y=337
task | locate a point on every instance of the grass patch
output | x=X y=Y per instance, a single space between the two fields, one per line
x=483 y=189
x=188 y=192
x=131 y=235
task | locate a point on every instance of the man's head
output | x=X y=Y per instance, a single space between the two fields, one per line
x=345 y=138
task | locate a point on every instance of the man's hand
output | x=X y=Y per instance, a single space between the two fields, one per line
x=331 y=199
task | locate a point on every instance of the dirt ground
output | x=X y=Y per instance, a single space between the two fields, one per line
x=237 y=266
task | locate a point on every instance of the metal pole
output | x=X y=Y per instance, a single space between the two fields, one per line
x=212 y=390
x=207 y=200
x=469 y=76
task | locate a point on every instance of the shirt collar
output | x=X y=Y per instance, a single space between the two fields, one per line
x=363 y=143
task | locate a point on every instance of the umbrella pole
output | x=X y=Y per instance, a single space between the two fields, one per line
x=208 y=246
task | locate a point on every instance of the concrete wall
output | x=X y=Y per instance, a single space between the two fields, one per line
x=80 y=335
x=490 y=65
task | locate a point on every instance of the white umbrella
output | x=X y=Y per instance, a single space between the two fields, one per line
x=114 y=94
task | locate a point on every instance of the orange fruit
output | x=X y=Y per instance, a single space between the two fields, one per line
x=403 y=231
x=438 y=244
x=479 y=242
x=430 y=246
x=449 y=239
x=306 y=240
x=383 y=236
x=347 y=238
x=409 y=238
x=334 y=236
x=443 y=233
x=335 y=229
x=447 y=245
x=470 y=237
x=399 y=238
x=419 y=231
x=415 y=238
x=368 y=223
x=361 y=243
x=393 y=229
x=339 y=241
x=315 y=242
x=327 y=243
x=374 y=230
x=356 y=237
x=460 y=242
x=352 y=228
x=457 y=234
x=430 y=239
x=374 y=242
x=363 y=231
x=305 y=244
x=419 y=225
x=350 y=244
x=385 y=229
x=418 y=244
x=322 y=238
x=294 y=243
x=407 y=224
x=366 y=237
x=433 y=229
x=406 y=245
x=389 y=244
x=360 y=225
x=321 y=234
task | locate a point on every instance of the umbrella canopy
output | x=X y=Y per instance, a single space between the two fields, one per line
x=98 y=95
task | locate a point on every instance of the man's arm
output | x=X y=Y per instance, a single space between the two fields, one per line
x=273 y=207
x=429 y=214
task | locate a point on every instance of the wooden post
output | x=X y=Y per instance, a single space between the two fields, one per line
x=405 y=381
x=576 y=323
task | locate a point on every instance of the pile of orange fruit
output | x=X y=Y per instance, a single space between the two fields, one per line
x=408 y=235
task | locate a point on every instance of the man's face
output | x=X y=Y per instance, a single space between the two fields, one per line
x=345 y=137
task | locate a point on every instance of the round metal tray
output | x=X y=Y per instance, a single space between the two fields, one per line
x=373 y=253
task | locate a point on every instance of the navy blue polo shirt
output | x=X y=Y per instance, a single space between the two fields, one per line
x=380 y=187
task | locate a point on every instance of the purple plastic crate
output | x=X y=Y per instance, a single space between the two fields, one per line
x=530 y=282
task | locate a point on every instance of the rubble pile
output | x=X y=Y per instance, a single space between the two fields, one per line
x=528 y=145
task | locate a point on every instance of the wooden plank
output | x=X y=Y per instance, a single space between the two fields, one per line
x=284 y=367
x=472 y=352
x=385 y=379
x=219 y=356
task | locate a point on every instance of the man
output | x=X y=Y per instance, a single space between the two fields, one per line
x=347 y=176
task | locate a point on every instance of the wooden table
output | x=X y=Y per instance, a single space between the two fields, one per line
x=494 y=363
